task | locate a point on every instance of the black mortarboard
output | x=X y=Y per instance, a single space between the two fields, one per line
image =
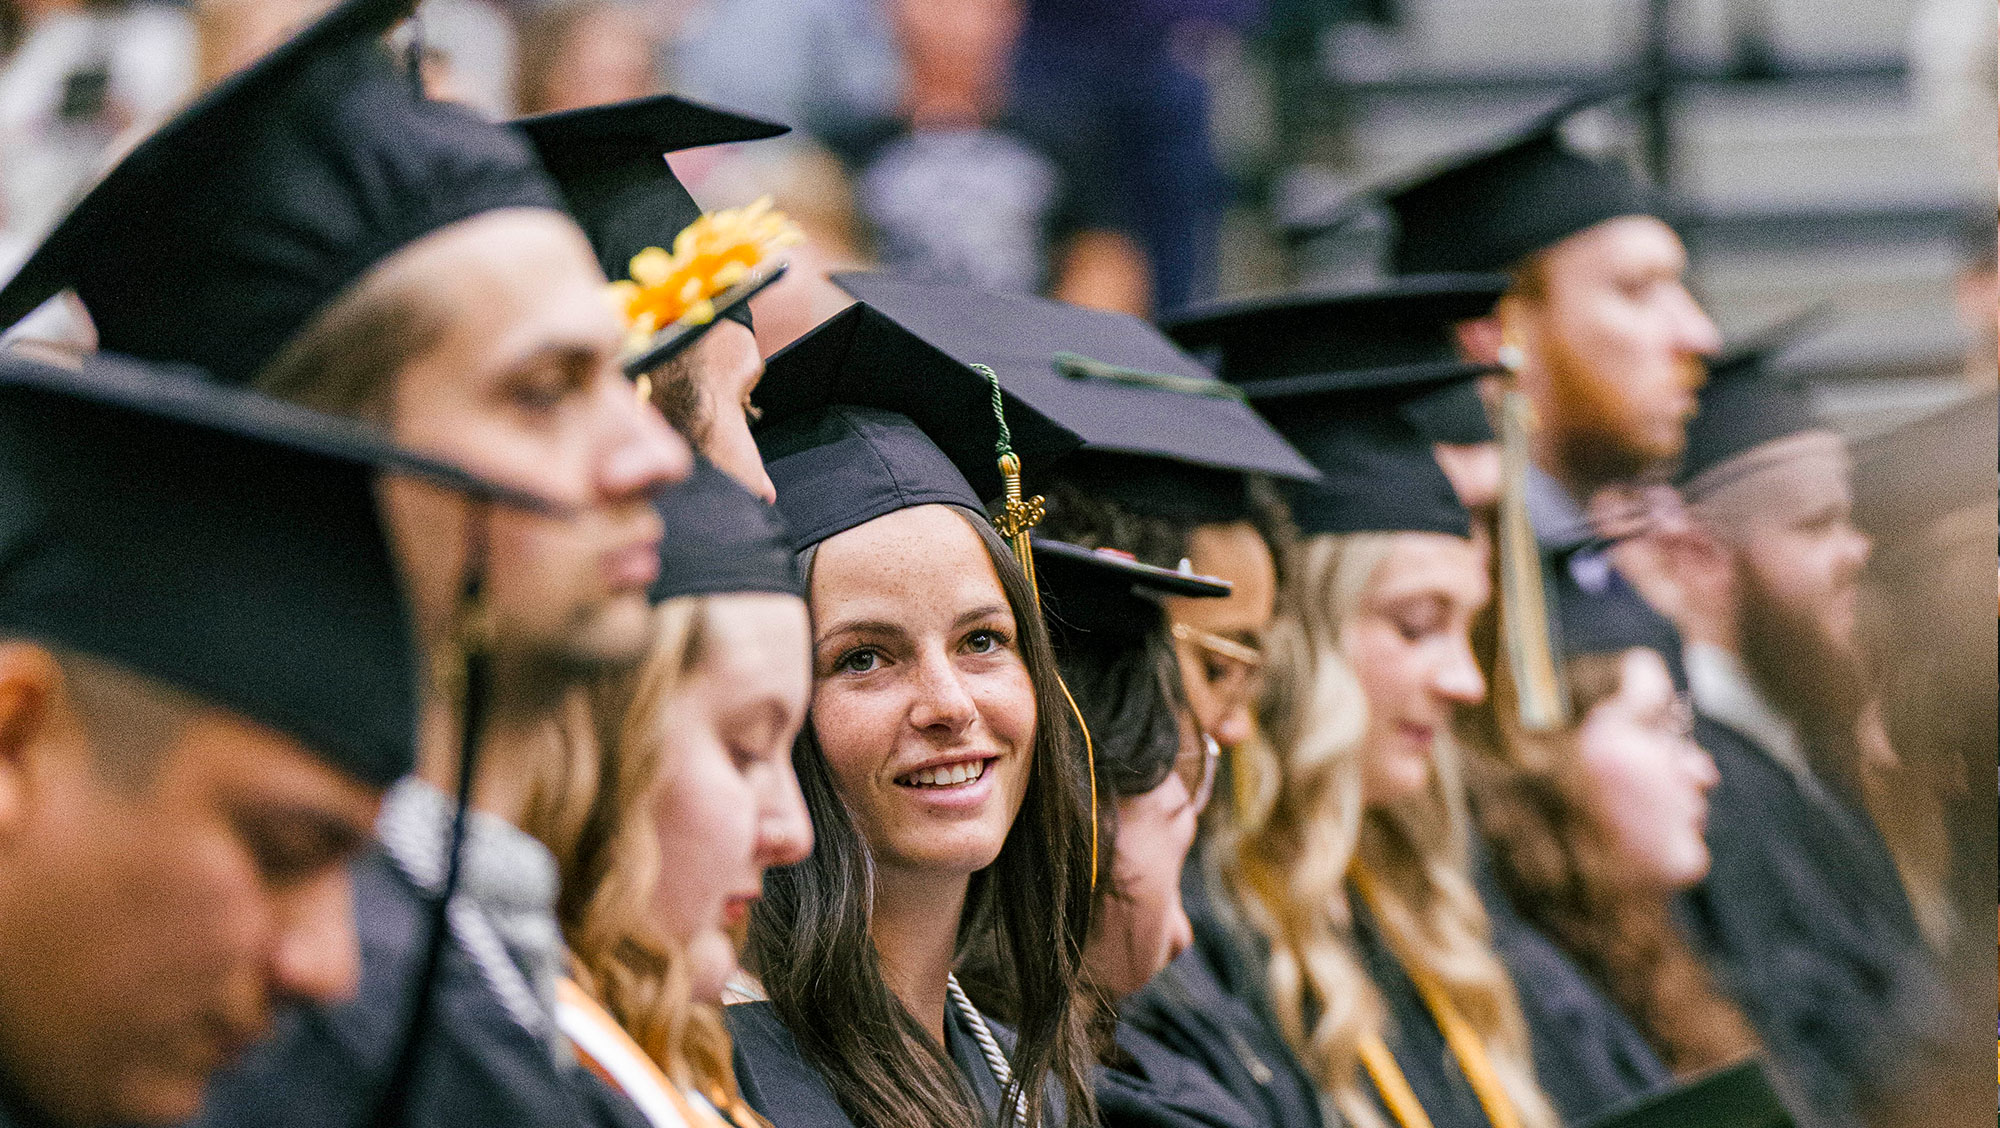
x=610 y=163
x=1348 y=378
x=1598 y=612
x=1377 y=470
x=1746 y=403
x=1399 y=324
x=1920 y=471
x=1737 y=1096
x=1160 y=433
x=221 y=236
x=217 y=541
x=719 y=539
x=1455 y=414
x=862 y=417
x=1106 y=598
x=1492 y=207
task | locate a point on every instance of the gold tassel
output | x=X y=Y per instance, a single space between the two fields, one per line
x=1017 y=517
x=1524 y=608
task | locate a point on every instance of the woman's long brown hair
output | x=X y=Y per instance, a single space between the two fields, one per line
x=810 y=941
x=1530 y=804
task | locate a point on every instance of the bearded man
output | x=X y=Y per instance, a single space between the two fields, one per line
x=1805 y=912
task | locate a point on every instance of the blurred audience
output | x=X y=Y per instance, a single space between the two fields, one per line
x=585 y=54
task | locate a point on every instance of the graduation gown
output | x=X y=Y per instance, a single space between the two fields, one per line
x=1148 y=1084
x=1589 y=1057
x=479 y=1067
x=1414 y=1038
x=1209 y=1010
x=1808 y=933
x=786 y=1089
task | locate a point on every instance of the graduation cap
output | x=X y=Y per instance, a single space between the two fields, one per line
x=1746 y=403
x=720 y=539
x=1909 y=476
x=221 y=236
x=1347 y=377
x=1738 y=1096
x=1160 y=433
x=610 y=163
x=1103 y=597
x=1492 y=207
x=862 y=417
x=1377 y=470
x=216 y=541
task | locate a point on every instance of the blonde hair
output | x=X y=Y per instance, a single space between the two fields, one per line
x=1306 y=826
x=593 y=808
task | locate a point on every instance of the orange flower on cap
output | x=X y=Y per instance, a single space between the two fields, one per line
x=713 y=254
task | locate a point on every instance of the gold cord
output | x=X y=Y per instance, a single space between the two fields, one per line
x=1464 y=1042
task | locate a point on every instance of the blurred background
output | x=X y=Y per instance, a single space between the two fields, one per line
x=1151 y=154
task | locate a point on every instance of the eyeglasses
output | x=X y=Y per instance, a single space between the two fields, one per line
x=1196 y=769
x=1678 y=719
x=1247 y=656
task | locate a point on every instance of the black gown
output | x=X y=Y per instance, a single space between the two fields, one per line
x=1414 y=1038
x=479 y=1067
x=1805 y=924
x=786 y=1089
x=1589 y=1056
x=1209 y=1009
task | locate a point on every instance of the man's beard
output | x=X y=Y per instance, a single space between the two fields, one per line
x=1595 y=442
x=1818 y=682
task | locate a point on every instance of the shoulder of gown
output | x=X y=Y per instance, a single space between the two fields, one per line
x=1589 y=1055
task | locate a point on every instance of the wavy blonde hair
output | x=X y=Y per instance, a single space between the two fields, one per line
x=1305 y=827
x=593 y=808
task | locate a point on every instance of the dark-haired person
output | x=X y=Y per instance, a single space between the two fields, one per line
x=950 y=802
x=409 y=265
x=1155 y=771
x=1804 y=883
x=208 y=676
x=1173 y=468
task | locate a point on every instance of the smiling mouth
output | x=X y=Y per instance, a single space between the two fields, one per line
x=946 y=776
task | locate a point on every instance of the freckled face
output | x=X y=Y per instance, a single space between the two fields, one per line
x=922 y=703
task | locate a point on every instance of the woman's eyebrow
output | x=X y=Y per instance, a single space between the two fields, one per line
x=860 y=626
x=990 y=611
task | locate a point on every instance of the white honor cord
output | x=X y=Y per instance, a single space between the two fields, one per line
x=989 y=1047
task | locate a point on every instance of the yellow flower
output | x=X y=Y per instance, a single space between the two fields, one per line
x=714 y=253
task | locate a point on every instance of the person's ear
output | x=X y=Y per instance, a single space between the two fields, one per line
x=31 y=692
x=1479 y=339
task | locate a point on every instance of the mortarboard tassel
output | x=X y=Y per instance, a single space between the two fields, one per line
x=1524 y=605
x=1019 y=515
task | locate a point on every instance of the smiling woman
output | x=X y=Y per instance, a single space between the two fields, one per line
x=949 y=799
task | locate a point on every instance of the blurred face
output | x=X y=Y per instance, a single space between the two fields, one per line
x=1808 y=569
x=151 y=924
x=970 y=42
x=607 y=57
x=1613 y=348
x=1410 y=644
x=1219 y=642
x=523 y=387
x=1646 y=780
x=921 y=700
x=706 y=394
x=1141 y=925
x=728 y=805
